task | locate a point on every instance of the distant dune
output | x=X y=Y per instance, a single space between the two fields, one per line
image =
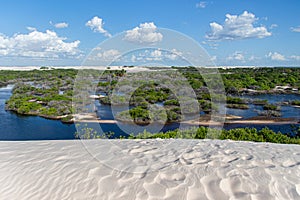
x=135 y=68
x=149 y=169
x=28 y=68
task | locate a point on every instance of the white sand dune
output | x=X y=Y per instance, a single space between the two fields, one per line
x=128 y=69
x=148 y=169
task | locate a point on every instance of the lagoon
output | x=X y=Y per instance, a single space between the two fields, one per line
x=18 y=127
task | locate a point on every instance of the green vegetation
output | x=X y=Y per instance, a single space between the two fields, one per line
x=143 y=115
x=54 y=76
x=44 y=67
x=40 y=93
x=49 y=92
x=264 y=135
x=235 y=100
x=295 y=103
x=260 y=78
x=173 y=102
x=238 y=106
x=29 y=100
x=236 y=103
x=271 y=107
x=238 y=134
x=259 y=102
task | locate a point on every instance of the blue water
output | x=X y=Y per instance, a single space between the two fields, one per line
x=274 y=98
x=17 y=127
x=245 y=113
x=286 y=111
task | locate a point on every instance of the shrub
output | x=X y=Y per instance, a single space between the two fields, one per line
x=235 y=100
x=271 y=107
x=237 y=106
x=295 y=102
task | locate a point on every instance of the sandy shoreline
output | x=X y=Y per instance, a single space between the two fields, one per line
x=212 y=123
x=149 y=169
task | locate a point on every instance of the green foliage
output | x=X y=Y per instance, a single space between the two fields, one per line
x=173 y=116
x=260 y=101
x=235 y=100
x=40 y=93
x=236 y=103
x=260 y=78
x=193 y=133
x=247 y=134
x=172 y=102
x=241 y=134
x=85 y=132
x=67 y=119
x=295 y=102
x=271 y=107
x=264 y=135
x=46 y=100
x=28 y=107
x=237 y=106
x=49 y=111
x=103 y=84
x=139 y=113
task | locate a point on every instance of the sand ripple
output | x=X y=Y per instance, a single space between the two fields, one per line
x=149 y=169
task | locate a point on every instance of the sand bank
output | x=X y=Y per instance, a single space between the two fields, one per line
x=215 y=123
x=149 y=169
x=230 y=119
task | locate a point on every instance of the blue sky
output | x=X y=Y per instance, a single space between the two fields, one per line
x=233 y=32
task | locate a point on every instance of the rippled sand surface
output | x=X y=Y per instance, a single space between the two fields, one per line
x=149 y=169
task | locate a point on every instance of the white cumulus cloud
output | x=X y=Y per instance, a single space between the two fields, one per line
x=237 y=27
x=31 y=28
x=201 y=4
x=144 y=33
x=61 y=25
x=96 y=24
x=38 y=44
x=273 y=26
x=254 y=58
x=174 y=54
x=295 y=57
x=213 y=58
x=276 y=56
x=295 y=29
x=109 y=55
x=236 y=56
x=156 y=53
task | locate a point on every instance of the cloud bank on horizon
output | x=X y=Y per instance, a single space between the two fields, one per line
x=241 y=35
x=36 y=44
